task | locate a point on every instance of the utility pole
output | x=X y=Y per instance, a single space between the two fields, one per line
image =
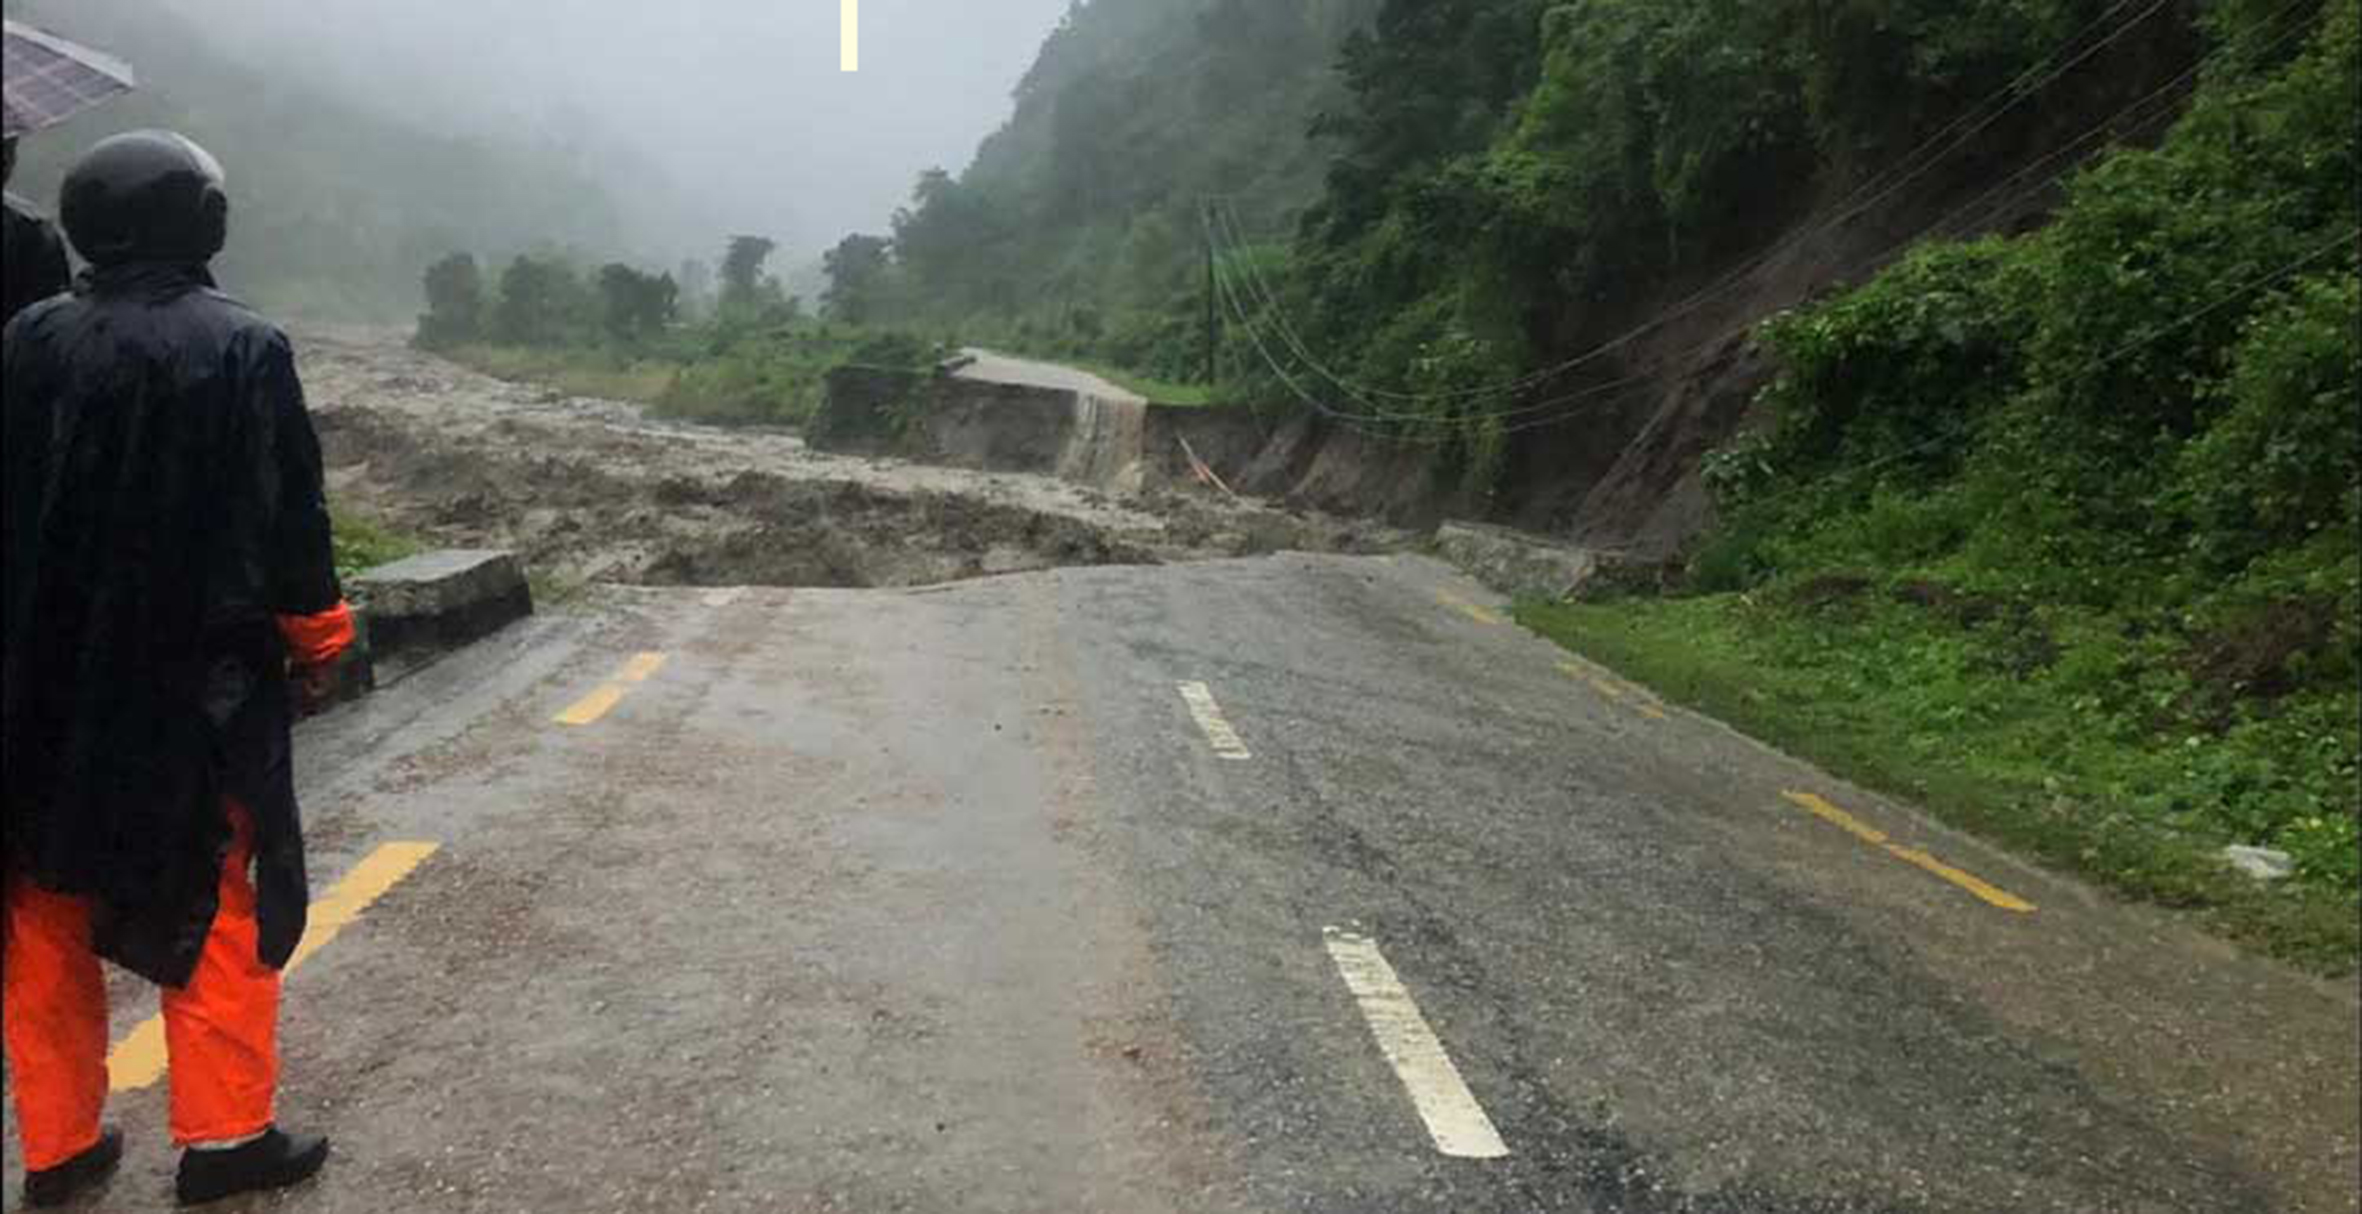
x=1206 y=225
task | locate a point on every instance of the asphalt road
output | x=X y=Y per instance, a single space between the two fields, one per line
x=1003 y=369
x=956 y=900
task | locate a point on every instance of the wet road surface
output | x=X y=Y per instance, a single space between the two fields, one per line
x=1004 y=369
x=1290 y=884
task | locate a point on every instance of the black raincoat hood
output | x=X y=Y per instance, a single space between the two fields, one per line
x=149 y=196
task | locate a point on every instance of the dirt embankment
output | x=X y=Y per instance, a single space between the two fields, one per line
x=596 y=490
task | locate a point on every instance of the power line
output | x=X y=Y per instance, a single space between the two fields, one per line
x=1376 y=412
x=2008 y=97
x=2109 y=126
x=1947 y=434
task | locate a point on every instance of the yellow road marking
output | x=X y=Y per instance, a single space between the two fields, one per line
x=1644 y=705
x=593 y=706
x=599 y=703
x=1475 y=611
x=1820 y=808
x=141 y=1058
x=369 y=880
x=1969 y=881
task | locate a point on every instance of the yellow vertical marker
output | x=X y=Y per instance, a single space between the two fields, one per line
x=141 y=1057
x=852 y=35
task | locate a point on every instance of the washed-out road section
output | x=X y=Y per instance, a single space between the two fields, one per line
x=988 y=367
x=1299 y=883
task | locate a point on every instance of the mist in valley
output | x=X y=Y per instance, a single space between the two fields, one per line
x=365 y=139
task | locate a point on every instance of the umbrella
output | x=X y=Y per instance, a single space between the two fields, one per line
x=50 y=79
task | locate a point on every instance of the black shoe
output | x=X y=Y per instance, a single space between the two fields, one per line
x=69 y=1180
x=274 y=1161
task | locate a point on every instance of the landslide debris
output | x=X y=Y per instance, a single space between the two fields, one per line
x=588 y=490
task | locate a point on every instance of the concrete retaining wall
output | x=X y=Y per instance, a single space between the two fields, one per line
x=1125 y=446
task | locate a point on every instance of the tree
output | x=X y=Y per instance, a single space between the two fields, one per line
x=940 y=231
x=742 y=273
x=540 y=303
x=636 y=306
x=857 y=269
x=455 y=303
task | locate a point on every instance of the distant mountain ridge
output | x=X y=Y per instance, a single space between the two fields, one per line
x=337 y=210
x=1079 y=216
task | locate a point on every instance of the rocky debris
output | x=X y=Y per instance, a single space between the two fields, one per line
x=2261 y=863
x=590 y=490
x=1516 y=563
x=834 y=534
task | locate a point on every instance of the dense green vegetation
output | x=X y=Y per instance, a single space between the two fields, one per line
x=1076 y=232
x=749 y=355
x=2111 y=466
x=1886 y=685
x=363 y=543
x=335 y=208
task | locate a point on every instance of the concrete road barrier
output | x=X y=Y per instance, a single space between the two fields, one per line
x=440 y=600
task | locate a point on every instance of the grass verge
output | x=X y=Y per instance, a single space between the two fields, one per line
x=582 y=371
x=364 y=543
x=1885 y=697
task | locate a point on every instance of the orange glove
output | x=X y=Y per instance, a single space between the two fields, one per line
x=316 y=640
x=313 y=643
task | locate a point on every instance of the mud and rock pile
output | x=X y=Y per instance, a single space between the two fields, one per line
x=589 y=490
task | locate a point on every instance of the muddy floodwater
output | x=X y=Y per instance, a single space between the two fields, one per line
x=587 y=489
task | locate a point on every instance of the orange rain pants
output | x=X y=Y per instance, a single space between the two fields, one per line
x=220 y=1031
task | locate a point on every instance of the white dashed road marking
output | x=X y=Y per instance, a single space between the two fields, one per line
x=1454 y=1119
x=1223 y=738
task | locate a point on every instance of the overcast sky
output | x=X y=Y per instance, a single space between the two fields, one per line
x=740 y=101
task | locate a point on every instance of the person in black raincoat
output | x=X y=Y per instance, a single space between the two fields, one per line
x=166 y=553
x=32 y=258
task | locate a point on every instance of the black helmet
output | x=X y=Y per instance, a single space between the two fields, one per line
x=145 y=196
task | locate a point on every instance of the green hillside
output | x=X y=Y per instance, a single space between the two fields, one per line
x=1077 y=226
x=337 y=208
